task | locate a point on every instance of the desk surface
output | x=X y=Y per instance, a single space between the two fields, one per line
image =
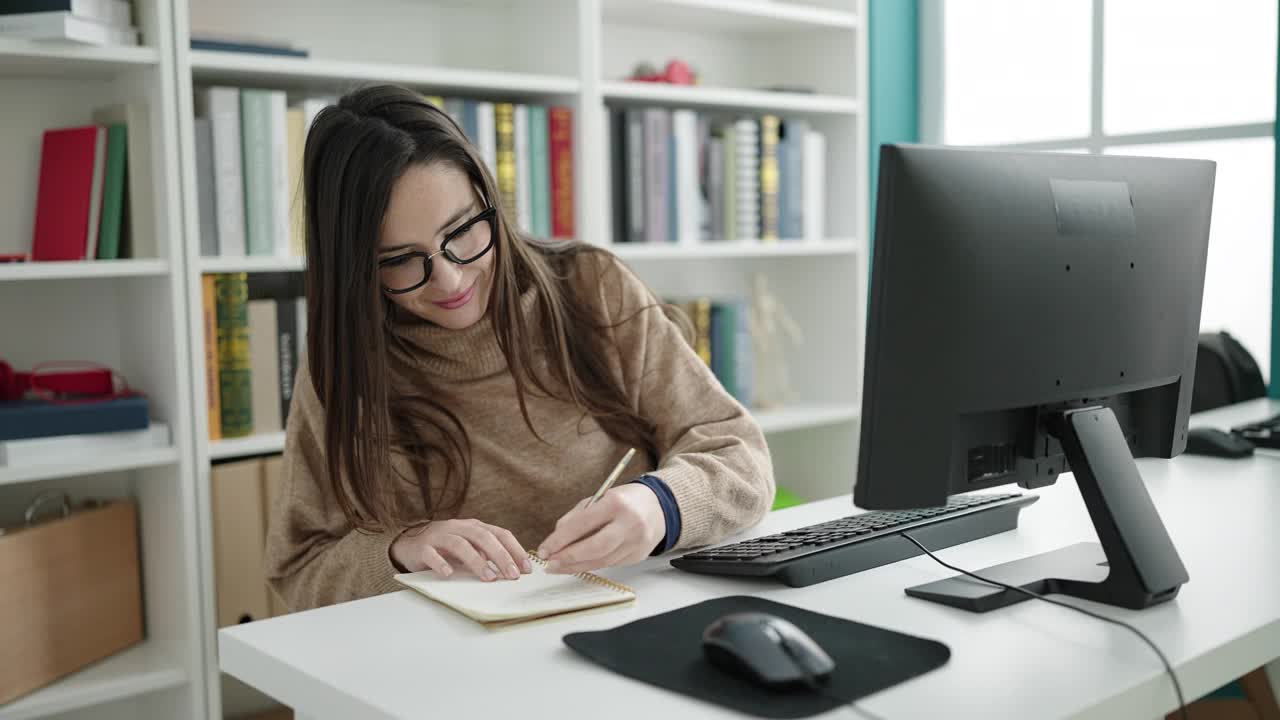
x=400 y=655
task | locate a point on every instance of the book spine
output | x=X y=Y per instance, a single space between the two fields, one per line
x=747 y=169
x=561 y=133
x=300 y=319
x=730 y=196
x=784 y=174
x=278 y=134
x=520 y=126
x=264 y=365
x=723 y=345
x=815 y=186
x=471 y=121
x=286 y=349
x=792 y=180
x=618 y=173
x=223 y=104
x=113 y=193
x=63 y=194
x=95 y=195
x=209 y=319
x=234 y=376
x=769 y=178
x=656 y=130
x=688 y=202
x=255 y=123
x=635 y=149
x=205 y=197
x=64 y=25
x=297 y=138
x=26 y=420
x=540 y=170
x=704 y=178
x=702 y=329
x=486 y=137
x=715 y=186
x=504 y=116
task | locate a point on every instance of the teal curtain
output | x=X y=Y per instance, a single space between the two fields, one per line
x=893 y=74
x=1275 y=257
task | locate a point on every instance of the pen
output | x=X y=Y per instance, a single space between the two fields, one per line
x=613 y=476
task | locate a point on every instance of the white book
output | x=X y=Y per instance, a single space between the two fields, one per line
x=524 y=192
x=95 y=200
x=143 y=238
x=55 y=449
x=815 y=186
x=747 y=180
x=204 y=187
x=222 y=107
x=65 y=26
x=111 y=12
x=684 y=128
x=278 y=131
x=487 y=137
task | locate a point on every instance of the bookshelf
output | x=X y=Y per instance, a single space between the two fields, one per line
x=143 y=316
x=128 y=314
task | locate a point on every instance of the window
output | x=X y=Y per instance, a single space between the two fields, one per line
x=1171 y=78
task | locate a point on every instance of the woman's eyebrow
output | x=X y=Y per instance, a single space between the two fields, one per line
x=452 y=219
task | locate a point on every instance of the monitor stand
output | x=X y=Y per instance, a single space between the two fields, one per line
x=1136 y=565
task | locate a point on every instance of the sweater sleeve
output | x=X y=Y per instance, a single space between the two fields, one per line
x=711 y=452
x=314 y=556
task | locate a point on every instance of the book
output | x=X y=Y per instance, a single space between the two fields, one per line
x=235 y=391
x=239 y=539
x=746 y=201
x=814 y=186
x=729 y=143
x=296 y=129
x=539 y=171
x=657 y=128
x=688 y=205
x=534 y=596
x=286 y=351
x=523 y=211
x=454 y=108
x=112 y=215
x=704 y=171
x=209 y=324
x=504 y=117
x=217 y=45
x=278 y=149
x=300 y=320
x=65 y=26
x=637 y=213
x=471 y=121
x=255 y=136
x=486 y=138
x=110 y=12
x=264 y=366
x=769 y=178
x=560 y=129
x=69 y=193
x=203 y=132
x=791 y=173
x=618 y=151
x=23 y=419
x=139 y=239
x=715 y=187
x=731 y=347
x=222 y=106
x=272 y=488
x=54 y=449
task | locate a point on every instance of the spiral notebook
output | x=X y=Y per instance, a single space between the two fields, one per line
x=534 y=596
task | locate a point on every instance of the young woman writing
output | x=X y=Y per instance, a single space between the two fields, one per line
x=467 y=386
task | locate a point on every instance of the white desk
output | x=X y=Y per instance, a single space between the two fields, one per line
x=401 y=656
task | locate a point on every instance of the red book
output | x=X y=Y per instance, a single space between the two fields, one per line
x=560 y=120
x=69 y=198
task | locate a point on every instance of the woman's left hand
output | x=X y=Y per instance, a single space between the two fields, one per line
x=621 y=528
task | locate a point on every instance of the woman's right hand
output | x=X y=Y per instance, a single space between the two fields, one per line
x=486 y=551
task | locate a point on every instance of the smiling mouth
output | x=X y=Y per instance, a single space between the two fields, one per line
x=457 y=301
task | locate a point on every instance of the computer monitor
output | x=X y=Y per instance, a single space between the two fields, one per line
x=1035 y=313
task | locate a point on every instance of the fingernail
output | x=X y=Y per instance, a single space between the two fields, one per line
x=446 y=571
x=490 y=571
x=553 y=566
x=513 y=572
x=542 y=552
x=526 y=566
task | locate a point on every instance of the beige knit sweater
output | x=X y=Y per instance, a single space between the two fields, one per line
x=711 y=452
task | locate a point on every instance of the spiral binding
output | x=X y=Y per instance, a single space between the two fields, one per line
x=590 y=577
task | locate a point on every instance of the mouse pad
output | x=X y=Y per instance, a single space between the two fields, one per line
x=666 y=650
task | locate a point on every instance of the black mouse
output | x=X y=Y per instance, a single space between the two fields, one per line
x=1217 y=443
x=765 y=649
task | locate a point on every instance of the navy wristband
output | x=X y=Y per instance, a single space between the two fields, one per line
x=670 y=511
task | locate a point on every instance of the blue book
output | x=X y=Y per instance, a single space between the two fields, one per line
x=25 y=419
x=469 y=122
x=246 y=47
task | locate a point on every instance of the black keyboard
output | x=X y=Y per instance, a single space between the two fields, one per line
x=833 y=549
x=1263 y=434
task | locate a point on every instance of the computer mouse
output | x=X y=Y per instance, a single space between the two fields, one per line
x=1217 y=443
x=766 y=650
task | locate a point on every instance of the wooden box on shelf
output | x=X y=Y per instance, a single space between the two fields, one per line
x=70 y=594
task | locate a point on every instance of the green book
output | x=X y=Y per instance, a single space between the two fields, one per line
x=539 y=171
x=724 y=346
x=113 y=180
x=235 y=388
x=259 y=185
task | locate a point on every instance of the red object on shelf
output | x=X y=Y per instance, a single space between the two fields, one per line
x=55 y=380
x=677 y=72
x=560 y=120
x=66 y=206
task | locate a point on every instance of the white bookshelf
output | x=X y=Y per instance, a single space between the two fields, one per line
x=640 y=252
x=129 y=315
x=250 y=264
x=699 y=96
x=756 y=17
x=260 y=444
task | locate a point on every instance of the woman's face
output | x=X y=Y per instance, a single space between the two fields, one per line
x=429 y=205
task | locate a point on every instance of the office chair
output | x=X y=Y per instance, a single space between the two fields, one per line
x=1225 y=373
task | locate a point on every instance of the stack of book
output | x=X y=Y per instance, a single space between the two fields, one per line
x=681 y=176
x=249 y=146
x=95 y=22
x=95 y=194
x=35 y=431
x=722 y=338
x=252 y=349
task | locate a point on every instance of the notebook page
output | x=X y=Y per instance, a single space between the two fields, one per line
x=535 y=594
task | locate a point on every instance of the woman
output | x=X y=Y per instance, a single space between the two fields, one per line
x=465 y=386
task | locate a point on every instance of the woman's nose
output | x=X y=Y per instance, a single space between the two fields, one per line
x=446 y=276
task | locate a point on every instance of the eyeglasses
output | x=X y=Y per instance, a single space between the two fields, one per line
x=404 y=273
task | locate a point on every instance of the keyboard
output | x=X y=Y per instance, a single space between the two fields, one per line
x=836 y=548
x=1263 y=434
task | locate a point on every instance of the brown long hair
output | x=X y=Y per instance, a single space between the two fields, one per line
x=355 y=152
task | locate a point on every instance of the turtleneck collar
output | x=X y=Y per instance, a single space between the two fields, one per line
x=467 y=354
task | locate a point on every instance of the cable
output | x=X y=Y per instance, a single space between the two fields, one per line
x=1177 y=687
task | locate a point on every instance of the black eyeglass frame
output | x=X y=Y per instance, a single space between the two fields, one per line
x=489 y=213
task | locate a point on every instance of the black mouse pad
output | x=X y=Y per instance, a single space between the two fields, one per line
x=666 y=650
